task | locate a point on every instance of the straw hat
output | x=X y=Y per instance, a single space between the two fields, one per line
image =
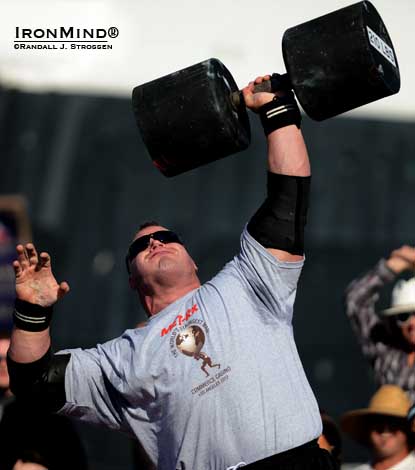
x=403 y=298
x=389 y=401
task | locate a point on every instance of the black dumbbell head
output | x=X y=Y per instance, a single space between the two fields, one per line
x=341 y=61
x=187 y=118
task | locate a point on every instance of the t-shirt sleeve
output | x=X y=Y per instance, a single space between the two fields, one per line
x=96 y=387
x=273 y=282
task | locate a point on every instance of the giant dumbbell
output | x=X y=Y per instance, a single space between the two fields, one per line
x=334 y=63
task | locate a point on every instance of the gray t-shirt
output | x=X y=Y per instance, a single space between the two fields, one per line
x=214 y=379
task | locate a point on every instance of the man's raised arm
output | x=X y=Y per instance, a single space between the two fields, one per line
x=30 y=361
x=279 y=223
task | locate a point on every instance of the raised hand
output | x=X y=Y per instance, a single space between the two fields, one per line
x=35 y=282
x=255 y=100
x=402 y=259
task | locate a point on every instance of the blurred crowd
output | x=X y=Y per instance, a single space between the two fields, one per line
x=386 y=428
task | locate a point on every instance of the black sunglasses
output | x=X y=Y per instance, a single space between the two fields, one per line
x=139 y=245
x=402 y=318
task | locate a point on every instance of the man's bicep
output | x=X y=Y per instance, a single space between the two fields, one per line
x=41 y=381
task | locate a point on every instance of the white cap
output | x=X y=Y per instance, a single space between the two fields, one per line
x=403 y=298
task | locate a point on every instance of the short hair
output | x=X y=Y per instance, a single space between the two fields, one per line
x=33 y=456
x=148 y=223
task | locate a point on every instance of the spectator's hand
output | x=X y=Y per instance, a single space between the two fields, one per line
x=35 y=282
x=402 y=259
x=255 y=100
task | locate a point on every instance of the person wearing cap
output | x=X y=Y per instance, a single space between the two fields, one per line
x=383 y=428
x=388 y=338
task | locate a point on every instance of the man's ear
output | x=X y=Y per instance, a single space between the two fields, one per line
x=195 y=266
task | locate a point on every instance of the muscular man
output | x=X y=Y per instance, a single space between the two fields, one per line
x=388 y=340
x=258 y=409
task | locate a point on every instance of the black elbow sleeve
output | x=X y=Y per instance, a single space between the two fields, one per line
x=279 y=223
x=41 y=382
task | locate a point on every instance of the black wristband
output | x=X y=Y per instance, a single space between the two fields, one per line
x=280 y=112
x=31 y=317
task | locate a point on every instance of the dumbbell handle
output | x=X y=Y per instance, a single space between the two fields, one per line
x=276 y=83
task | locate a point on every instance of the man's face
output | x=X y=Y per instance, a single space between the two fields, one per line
x=4 y=375
x=388 y=438
x=159 y=262
x=408 y=329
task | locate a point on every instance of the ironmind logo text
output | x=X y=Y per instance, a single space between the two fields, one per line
x=66 y=33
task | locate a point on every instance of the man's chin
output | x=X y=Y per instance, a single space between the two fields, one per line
x=410 y=338
x=166 y=263
x=383 y=452
x=4 y=384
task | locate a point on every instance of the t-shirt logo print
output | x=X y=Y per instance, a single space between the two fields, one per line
x=190 y=343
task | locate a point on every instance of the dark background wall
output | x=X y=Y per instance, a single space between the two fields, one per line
x=80 y=162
